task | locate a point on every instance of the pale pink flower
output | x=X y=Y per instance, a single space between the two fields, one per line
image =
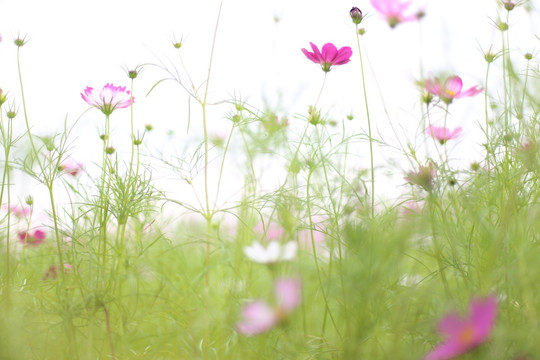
x=329 y=56
x=71 y=167
x=271 y=232
x=443 y=134
x=109 y=98
x=19 y=211
x=451 y=88
x=36 y=238
x=464 y=334
x=258 y=316
x=394 y=11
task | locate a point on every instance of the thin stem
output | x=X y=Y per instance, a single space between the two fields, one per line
x=369 y=125
x=327 y=308
x=488 y=146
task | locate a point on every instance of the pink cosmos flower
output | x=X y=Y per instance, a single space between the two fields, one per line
x=109 y=98
x=71 y=167
x=258 y=316
x=329 y=56
x=464 y=334
x=443 y=134
x=393 y=11
x=19 y=211
x=34 y=239
x=451 y=89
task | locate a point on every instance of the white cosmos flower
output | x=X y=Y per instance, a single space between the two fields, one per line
x=274 y=252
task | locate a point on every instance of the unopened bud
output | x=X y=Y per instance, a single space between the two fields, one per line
x=356 y=15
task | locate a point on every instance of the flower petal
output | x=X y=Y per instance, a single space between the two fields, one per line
x=288 y=293
x=257 y=317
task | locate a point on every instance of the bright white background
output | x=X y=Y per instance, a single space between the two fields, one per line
x=74 y=44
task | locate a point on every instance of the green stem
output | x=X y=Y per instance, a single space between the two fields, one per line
x=369 y=125
x=327 y=308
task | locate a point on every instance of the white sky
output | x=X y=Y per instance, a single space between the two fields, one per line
x=74 y=44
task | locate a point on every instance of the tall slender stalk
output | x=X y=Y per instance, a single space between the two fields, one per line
x=369 y=124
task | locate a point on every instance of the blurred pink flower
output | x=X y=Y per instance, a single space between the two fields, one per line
x=109 y=98
x=71 y=167
x=271 y=232
x=451 y=89
x=443 y=134
x=258 y=316
x=329 y=56
x=423 y=177
x=34 y=239
x=53 y=270
x=464 y=334
x=393 y=11
x=17 y=210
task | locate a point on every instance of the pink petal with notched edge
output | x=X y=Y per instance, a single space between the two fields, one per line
x=445 y=351
x=288 y=293
x=453 y=84
x=257 y=317
x=329 y=52
x=483 y=315
x=475 y=90
x=310 y=56
x=316 y=52
x=343 y=56
x=433 y=86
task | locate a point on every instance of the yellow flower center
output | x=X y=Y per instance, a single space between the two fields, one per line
x=449 y=93
x=467 y=336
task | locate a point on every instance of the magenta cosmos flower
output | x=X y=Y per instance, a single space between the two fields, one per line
x=34 y=239
x=451 y=89
x=464 y=334
x=443 y=134
x=258 y=316
x=109 y=98
x=393 y=11
x=329 y=55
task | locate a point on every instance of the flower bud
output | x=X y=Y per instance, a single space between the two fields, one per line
x=502 y=26
x=509 y=5
x=11 y=114
x=29 y=200
x=528 y=56
x=356 y=15
x=489 y=57
x=132 y=74
x=110 y=150
x=20 y=42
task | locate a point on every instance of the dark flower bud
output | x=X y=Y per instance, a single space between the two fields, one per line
x=356 y=15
